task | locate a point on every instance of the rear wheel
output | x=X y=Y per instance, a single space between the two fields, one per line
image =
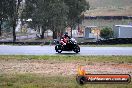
x=59 y=51
x=59 y=48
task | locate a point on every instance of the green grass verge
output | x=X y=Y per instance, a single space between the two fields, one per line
x=37 y=81
x=120 y=59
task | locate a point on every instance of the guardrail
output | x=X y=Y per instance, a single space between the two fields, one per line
x=100 y=42
x=27 y=43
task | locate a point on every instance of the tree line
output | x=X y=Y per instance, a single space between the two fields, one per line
x=9 y=12
x=45 y=14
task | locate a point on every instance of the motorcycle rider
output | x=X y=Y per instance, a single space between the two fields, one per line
x=65 y=38
x=67 y=43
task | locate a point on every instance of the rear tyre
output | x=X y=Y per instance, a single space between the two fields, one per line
x=58 y=48
x=59 y=51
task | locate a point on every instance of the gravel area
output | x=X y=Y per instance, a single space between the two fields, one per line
x=49 y=67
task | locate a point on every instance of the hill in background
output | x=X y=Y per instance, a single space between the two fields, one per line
x=110 y=8
x=109 y=3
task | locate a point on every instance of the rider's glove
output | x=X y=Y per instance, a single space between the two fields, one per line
x=64 y=44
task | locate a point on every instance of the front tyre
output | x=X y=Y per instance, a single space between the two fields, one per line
x=76 y=49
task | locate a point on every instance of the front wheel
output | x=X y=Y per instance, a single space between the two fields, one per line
x=76 y=49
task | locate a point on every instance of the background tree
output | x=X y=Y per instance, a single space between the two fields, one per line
x=51 y=14
x=40 y=15
x=76 y=7
x=58 y=19
x=47 y=14
x=37 y=11
x=106 y=33
x=54 y=14
x=4 y=10
x=1 y=14
x=9 y=11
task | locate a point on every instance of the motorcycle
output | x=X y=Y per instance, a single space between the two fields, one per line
x=70 y=46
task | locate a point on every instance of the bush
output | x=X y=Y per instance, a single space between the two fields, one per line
x=106 y=33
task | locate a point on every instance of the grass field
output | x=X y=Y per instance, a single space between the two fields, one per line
x=117 y=59
x=25 y=80
x=36 y=81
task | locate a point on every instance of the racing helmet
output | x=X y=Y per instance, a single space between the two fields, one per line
x=66 y=34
